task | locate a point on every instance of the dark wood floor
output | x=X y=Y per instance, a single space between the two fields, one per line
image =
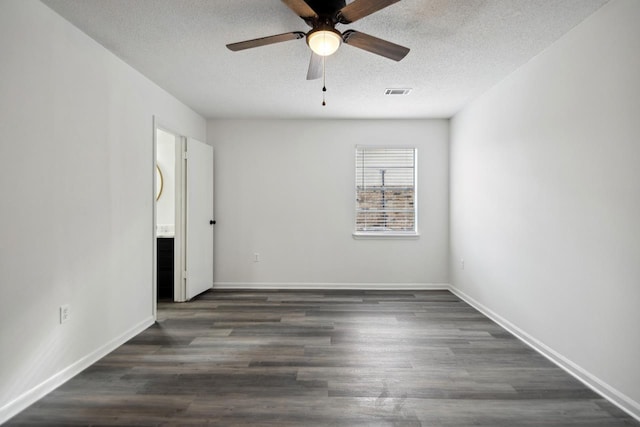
x=335 y=358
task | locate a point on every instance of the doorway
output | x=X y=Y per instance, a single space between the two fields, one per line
x=183 y=216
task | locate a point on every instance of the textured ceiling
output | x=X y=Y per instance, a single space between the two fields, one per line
x=459 y=49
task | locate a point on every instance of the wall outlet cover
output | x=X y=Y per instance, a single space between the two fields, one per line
x=65 y=313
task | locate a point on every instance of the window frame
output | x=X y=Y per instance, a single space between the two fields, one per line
x=414 y=234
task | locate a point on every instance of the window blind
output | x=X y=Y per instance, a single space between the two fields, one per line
x=385 y=190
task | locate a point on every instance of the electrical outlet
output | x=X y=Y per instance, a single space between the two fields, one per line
x=65 y=313
x=462 y=264
x=256 y=257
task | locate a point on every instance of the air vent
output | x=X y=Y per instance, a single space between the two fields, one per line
x=397 y=91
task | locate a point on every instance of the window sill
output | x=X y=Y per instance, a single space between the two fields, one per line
x=384 y=236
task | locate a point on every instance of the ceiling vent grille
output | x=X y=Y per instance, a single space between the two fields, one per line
x=397 y=91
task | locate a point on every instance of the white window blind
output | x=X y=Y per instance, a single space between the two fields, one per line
x=385 y=190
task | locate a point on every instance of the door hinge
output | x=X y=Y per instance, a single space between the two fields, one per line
x=185 y=156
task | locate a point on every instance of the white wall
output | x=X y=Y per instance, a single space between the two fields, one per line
x=166 y=160
x=76 y=173
x=545 y=201
x=285 y=189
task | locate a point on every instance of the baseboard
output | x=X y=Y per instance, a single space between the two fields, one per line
x=619 y=399
x=31 y=396
x=333 y=286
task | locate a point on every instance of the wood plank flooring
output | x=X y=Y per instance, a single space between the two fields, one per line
x=323 y=358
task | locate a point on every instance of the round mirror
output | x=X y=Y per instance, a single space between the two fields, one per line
x=159 y=182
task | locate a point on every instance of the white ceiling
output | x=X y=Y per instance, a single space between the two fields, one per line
x=459 y=49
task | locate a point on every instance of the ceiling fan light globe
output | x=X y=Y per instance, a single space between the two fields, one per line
x=324 y=42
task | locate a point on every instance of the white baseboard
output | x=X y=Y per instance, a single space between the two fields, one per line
x=619 y=399
x=31 y=396
x=333 y=286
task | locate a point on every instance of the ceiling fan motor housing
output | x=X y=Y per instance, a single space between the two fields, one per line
x=326 y=8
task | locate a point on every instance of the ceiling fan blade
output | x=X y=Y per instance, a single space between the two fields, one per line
x=301 y=8
x=375 y=45
x=263 y=41
x=360 y=8
x=315 y=67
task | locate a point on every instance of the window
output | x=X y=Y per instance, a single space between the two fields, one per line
x=385 y=191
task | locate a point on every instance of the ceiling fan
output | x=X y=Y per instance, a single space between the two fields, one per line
x=323 y=38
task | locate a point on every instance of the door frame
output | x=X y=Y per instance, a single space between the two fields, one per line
x=178 y=265
x=180 y=233
x=154 y=221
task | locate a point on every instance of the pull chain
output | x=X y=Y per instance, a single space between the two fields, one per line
x=324 y=82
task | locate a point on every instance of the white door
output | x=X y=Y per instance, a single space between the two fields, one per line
x=199 y=218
